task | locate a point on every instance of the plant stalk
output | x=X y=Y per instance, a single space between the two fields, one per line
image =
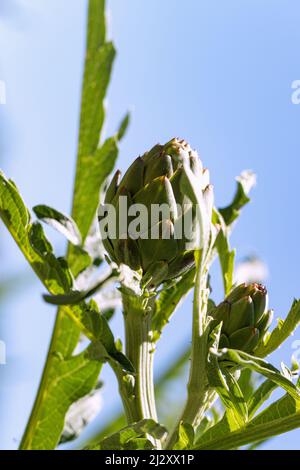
x=137 y=391
x=199 y=394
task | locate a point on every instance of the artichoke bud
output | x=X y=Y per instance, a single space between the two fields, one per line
x=156 y=272
x=181 y=265
x=245 y=339
x=113 y=187
x=221 y=313
x=127 y=253
x=245 y=317
x=237 y=293
x=224 y=342
x=155 y=179
x=241 y=315
x=162 y=166
x=133 y=178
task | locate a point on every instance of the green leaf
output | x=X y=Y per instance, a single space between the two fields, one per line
x=79 y=259
x=123 y=127
x=280 y=417
x=60 y=222
x=96 y=28
x=223 y=381
x=256 y=364
x=169 y=300
x=31 y=240
x=56 y=277
x=93 y=166
x=245 y=183
x=98 y=68
x=206 y=423
x=91 y=173
x=74 y=297
x=215 y=433
x=260 y=396
x=185 y=438
x=96 y=328
x=283 y=330
x=53 y=272
x=226 y=255
x=247 y=383
x=70 y=379
x=229 y=392
x=133 y=437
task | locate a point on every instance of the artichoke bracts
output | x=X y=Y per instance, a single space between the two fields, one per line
x=164 y=249
x=245 y=317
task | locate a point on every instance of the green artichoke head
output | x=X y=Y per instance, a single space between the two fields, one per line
x=245 y=317
x=163 y=248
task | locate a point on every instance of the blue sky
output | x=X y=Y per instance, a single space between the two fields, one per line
x=218 y=74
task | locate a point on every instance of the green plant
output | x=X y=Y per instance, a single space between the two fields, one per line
x=151 y=276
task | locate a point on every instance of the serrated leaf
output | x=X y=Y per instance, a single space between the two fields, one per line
x=229 y=392
x=280 y=417
x=168 y=300
x=256 y=364
x=96 y=328
x=93 y=166
x=225 y=384
x=54 y=274
x=74 y=297
x=283 y=330
x=81 y=414
x=214 y=433
x=260 y=396
x=245 y=183
x=133 y=437
x=60 y=222
x=70 y=380
x=31 y=240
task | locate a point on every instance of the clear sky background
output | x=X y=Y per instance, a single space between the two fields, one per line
x=218 y=74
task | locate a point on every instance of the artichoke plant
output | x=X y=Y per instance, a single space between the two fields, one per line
x=165 y=249
x=245 y=317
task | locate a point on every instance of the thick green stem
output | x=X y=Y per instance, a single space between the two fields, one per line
x=137 y=391
x=197 y=405
x=199 y=392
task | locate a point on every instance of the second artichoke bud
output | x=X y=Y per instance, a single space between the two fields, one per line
x=155 y=179
x=245 y=317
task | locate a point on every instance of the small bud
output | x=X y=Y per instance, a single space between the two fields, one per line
x=245 y=317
